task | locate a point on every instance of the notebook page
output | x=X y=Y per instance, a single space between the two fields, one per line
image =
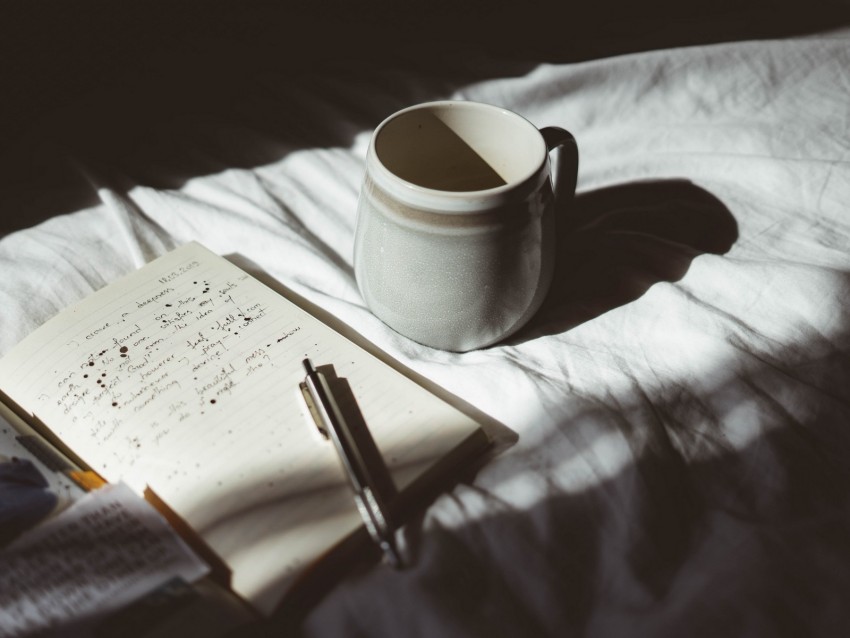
x=184 y=376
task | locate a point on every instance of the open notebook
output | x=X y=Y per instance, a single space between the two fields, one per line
x=183 y=377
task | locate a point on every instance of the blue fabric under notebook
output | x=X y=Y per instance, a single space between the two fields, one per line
x=24 y=498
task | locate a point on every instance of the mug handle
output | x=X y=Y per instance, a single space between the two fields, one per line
x=566 y=166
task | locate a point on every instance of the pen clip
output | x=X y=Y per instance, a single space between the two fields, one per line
x=314 y=412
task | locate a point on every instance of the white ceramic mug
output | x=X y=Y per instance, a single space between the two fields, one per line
x=455 y=239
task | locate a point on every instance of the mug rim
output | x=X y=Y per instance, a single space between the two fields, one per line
x=444 y=201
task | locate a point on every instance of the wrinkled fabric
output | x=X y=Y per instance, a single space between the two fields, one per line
x=680 y=400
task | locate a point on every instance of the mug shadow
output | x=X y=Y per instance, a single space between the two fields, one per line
x=615 y=243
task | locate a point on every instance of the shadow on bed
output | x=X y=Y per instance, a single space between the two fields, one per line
x=698 y=534
x=616 y=242
x=748 y=543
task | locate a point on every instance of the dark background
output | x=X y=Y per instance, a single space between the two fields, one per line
x=137 y=88
x=53 y=51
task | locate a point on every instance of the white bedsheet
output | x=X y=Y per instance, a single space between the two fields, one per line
x=681 y=401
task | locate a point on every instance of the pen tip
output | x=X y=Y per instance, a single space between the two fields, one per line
x=391 y=554
x=308 y=366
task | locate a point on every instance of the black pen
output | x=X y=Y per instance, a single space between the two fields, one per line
x=332 y=424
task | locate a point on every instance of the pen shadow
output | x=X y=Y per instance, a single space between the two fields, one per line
x=364 y=444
